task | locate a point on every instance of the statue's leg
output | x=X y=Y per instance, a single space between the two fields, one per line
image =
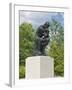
x=39 y=47
x=43 y=51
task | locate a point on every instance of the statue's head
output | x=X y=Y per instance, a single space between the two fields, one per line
x=46 y=25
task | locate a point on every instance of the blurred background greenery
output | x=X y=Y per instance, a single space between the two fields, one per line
x=55 y=48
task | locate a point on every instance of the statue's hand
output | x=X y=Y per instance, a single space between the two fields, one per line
x=45 y=41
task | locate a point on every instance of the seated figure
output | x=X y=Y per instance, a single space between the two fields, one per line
x=42 y=39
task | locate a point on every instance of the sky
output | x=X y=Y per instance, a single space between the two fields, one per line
x=39 y=18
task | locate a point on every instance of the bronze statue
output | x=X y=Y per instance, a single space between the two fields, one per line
x=42 y=39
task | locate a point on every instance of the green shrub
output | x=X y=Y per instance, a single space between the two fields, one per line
x=21 y=71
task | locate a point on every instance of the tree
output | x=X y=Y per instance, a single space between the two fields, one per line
x=25 y=42
x=57 y=47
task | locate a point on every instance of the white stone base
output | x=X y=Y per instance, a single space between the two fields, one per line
x=39 y=67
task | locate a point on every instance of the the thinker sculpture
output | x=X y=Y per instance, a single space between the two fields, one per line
x=42 y=39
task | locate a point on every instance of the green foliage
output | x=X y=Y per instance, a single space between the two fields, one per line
x=21 y=72
x=25 y=42
x=57 y=47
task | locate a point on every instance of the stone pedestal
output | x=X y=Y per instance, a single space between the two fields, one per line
x=39 y=67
